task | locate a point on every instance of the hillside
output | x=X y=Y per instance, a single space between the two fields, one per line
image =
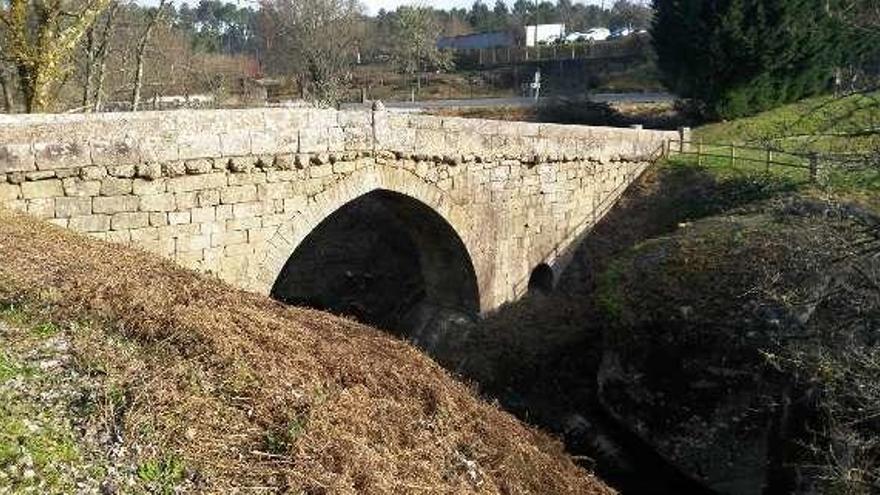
x=842 y=132
x=178 y=380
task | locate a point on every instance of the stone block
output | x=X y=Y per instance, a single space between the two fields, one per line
x=248 y=210
x=158 y=219
x=231 y=238
x=313 y=141
x=9 y=192
x=198 y=166
x=39 y=175
x=142 y=187
x=17 y=158
x=223 y=212
x=238 y=194
x=243 y=223
x=235 y=143
x=354 y=118
x=212 y=227
x=122 y=171
x=239 y=250
x=335 y=139
x=275 y=190
x=145 y=234
x=295 y=203
x=129 y=220
x=344 y=167
x=81 y=188
x=281 y=175
x=151 y=171
x=179 y=217
x=157 y=202
x=41 y=207
x=90 y=223
x=260 y=236
x=42 y=189
x=72 y=207
x=115 y=153
x=318 y=171
x=190 y=147
x=203 y=215
x=193 y=242
x=114 y=186
x=251 y=177
x=115 y=204
x=93 y=173
x=263 y=143
x=207 y=198
x=197 y=182
x=185 y=201
x=51 y=156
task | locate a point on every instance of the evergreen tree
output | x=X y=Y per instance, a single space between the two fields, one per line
x=739 y=57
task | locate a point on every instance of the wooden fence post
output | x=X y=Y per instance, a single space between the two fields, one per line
x=684 y=136
x=700 y=152
x=732 y=156
x=769 y=159
x=814 y=168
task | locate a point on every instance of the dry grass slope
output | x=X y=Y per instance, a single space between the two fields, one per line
x=249 y=393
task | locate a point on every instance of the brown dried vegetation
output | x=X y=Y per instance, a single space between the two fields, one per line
x=248 y=393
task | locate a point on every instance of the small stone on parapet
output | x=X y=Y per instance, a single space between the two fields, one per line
x=378 y=106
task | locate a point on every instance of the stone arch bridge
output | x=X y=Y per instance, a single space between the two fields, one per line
x=337 y=209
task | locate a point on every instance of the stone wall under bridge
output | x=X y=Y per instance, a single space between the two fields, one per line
x=456 y=211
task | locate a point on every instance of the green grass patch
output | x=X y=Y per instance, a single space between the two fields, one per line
x=843 y=133
x=162 y=475
x=826 y=124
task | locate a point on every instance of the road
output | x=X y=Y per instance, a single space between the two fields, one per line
x=521 y=102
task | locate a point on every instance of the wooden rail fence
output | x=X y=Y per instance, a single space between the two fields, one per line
x=735 y=153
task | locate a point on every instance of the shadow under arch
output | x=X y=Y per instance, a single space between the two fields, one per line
x=541 y=279
x=386 y=259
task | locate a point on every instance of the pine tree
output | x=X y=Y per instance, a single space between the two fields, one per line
x=739 y=57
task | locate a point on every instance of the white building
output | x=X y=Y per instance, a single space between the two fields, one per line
x=544 y=33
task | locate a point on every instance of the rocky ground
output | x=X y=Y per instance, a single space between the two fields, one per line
x=40 y=436
x=57 y=433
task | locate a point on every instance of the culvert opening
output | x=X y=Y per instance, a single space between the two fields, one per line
x=541 y=279
x=385 y=259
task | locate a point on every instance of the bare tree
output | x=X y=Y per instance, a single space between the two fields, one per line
x=314 y=39
x=40 y=39
x=414 y=47
x=98 y=42
x=141 y=54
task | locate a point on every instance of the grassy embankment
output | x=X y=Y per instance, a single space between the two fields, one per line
x=844 y=134
x=182 y=381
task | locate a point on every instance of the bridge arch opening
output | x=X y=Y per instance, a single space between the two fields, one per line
x=541 y=279
x=388 y=260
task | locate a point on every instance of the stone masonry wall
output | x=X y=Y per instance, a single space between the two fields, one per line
x=233 y=192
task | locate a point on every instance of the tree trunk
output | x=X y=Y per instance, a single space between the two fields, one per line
x=6 y=86
x=90 y=64
x=103 y=50
x=141 y=56
x=37 y=88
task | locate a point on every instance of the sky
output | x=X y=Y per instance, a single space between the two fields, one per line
x=373 y=6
